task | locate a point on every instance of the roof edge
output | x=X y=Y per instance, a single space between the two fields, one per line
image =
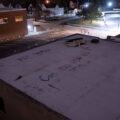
x=9 y=10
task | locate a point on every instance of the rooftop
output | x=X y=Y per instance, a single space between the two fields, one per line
x=82 y=83
x=10 y=9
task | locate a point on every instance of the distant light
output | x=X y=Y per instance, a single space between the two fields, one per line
x=29 y=27
x=101 y=23
x=86 y=5
x=47 y=1
x=116 y=9
x=110 y=22
x=110 y=4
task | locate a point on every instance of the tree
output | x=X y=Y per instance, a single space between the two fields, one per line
x=38 y=10
x=91 y=13
x=65 y=4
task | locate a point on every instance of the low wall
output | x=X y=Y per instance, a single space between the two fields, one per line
x=18 y=106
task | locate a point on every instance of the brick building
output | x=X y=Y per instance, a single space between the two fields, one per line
x=13 y=23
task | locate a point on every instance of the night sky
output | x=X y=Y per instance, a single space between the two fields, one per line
x=25 y=3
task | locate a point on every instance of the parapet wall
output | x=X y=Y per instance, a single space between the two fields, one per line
x=18 y=106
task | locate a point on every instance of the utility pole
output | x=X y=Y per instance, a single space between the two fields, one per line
x=77 y=3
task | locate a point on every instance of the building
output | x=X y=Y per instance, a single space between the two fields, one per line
x=58 y=81
x=13 y=23
x=54 y=10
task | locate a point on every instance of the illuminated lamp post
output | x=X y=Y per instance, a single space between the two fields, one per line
x=47 y=1
x=86 y=5
x=109 y=4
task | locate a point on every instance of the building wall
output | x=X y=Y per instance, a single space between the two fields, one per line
x=56 y=11
x=18 y=106
x=12 y=29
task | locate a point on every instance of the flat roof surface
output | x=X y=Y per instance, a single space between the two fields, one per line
x=10 y=9
x=82 y=83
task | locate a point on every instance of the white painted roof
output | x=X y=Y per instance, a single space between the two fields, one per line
x=82 y=83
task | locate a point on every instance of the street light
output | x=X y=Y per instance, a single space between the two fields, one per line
x=109 y=4
x=86 y=5
x=47 y=1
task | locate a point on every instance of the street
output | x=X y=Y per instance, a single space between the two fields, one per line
x=55 y=30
